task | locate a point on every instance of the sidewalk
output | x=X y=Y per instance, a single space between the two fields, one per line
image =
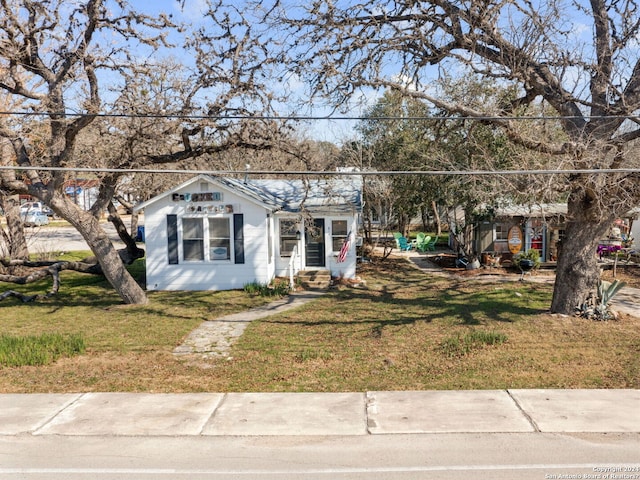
x=326 y=414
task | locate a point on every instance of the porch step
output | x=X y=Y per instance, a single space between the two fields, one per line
x=314 y=279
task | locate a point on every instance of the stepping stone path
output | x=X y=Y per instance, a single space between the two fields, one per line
x=214 y=338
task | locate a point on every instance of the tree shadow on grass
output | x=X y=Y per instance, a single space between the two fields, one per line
x=407 y=301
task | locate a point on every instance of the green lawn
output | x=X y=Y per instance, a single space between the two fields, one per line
x=405 y=330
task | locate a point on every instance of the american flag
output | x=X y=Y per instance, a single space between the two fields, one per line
x=346 y=245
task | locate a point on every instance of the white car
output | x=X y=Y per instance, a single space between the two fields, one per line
x=35 y=207
x=30 y=206
x=34 y=218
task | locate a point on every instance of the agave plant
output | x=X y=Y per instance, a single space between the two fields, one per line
x=606 y=291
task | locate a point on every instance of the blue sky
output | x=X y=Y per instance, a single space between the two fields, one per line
x=337 y=130
x=192 y=14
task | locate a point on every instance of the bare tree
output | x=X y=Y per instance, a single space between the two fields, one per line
x=58 y=57
x=48 y=56
x=589 y=78
x=13 y=243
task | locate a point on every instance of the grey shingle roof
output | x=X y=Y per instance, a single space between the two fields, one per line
x=338 y=194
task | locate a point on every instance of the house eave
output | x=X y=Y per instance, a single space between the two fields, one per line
x=212 y=180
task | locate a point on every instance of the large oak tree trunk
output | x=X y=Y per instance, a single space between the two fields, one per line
x=132 y=251
x=577 y=272
x=102 y=247
x=17 y=243
x=14 y=236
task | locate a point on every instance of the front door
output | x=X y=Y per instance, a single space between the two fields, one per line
x=314 y=241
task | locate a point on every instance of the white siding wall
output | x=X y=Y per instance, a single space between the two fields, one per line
x=214 y=275
x=346 y=269
x=635 y=233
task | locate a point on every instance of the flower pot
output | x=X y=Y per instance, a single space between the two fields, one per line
x=473 y=265
x=526 y=264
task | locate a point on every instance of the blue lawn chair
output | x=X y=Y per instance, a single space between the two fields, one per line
x=404 y=244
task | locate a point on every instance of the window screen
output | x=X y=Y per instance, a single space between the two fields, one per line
x=193 y=239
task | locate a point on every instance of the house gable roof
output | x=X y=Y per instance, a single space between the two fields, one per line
x=338 y=194
x=248 y=193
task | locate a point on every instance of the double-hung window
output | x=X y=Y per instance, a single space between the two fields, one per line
x=193 y=239
x=206 y=239
x=501 y=237
x=219 y=239
x=338 y=234
x=288 y=237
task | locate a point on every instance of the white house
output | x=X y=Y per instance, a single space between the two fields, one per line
x=214 y=233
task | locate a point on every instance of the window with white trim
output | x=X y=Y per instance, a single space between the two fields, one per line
x=501 y=237
x=219 y=239
x=193 y=239
x=502 y=231
x=288 y=237
x=208 y=240
x=338 y=234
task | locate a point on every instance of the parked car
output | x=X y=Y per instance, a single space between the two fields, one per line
x=48 y=212
x=31 y=206
x=36 y=207
x=34 y=218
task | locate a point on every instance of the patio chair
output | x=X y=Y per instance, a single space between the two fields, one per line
x=401 y=242
x=431 y=245
x=421 y=242
x=419 y=238
x=396 y=237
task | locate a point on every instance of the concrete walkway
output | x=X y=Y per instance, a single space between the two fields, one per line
x=214 y=338
x=327 y=414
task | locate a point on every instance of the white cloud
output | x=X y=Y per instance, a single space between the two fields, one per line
x=193 y=10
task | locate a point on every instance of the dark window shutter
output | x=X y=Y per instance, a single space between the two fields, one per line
x=172 y=238
x=238 y=237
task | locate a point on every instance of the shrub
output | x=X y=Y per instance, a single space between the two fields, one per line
x=253 y=288
x=278 y=288
x=531 y=254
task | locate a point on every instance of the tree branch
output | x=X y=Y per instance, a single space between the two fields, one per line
x=504 y=123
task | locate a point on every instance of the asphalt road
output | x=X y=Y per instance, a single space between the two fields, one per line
x=525 y=456
x=57 y=239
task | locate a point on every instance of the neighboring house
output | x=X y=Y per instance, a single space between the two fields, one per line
x=539 y=226
x=214 y=233
x=83 y=192
x=635 y=229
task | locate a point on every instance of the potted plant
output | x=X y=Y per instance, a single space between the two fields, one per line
x=528 y=260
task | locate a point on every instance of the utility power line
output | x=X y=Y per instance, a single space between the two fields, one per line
x=317 y=117
x=326 y=172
